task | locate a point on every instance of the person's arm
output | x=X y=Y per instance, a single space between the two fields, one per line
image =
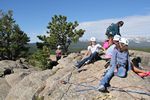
x=117 y=29
x=88 y=52
x=129 y=64
x=113 y=59
x=136 y=70
x=100 y=47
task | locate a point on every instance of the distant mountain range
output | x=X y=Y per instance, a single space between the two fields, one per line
x=139 y=44
x=133 y=43
x=136 y=44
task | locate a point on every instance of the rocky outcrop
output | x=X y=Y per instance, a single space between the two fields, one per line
x=8 y=66
x=11 y=73
x=144 y=56
x=4 y=88
x=29 y=86
x=15 y=78
x=64 y=82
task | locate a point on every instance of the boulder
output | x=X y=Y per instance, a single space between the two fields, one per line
x=4 y=88
x=27 y=88
x=145 y=56
x=6 y=67
x=9 y=66
x=22 y=63
x=15 y=78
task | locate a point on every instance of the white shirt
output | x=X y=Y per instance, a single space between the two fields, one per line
x=94 y=48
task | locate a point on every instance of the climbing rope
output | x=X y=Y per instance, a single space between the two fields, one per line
x=89 y=88
x=142 y=91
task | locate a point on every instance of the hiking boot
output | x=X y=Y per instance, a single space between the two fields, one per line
x=101 y=88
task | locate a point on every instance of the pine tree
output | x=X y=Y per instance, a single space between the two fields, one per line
x=12 y=39
x=60 y=32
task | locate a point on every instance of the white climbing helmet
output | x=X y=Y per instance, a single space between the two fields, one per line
x=124 y=40
x=92 y=39
x=116 y=37
x=58 y=46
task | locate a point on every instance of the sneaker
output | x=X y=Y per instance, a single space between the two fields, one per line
x=76 y=65
x=101 y=88
x=87 y=62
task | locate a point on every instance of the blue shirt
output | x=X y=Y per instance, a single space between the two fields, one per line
x=121 y=58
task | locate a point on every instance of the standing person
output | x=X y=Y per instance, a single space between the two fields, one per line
x=112 y=30
x=58 y=53
x=119 y=65
x=91 y=54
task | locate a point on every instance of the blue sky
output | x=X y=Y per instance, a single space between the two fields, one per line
x=93 y=15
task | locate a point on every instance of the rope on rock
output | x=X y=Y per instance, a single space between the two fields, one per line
x=89 y=88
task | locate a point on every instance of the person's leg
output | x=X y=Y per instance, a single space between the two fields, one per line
x=82 y=62
x=144 y=74
x=57 y=58
x=92 y=57
x=136 y=70
x=107 y=77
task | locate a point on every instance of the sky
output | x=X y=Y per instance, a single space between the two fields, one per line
x=94 y=16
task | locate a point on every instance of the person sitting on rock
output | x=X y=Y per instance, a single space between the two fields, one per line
x=109 y=51
x=137 y=62
x=91 y=54
x=119 y=65
x=137 y=68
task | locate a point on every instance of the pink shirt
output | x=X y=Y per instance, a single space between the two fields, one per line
x=105 y=44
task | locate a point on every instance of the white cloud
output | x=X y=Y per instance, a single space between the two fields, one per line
x=134 y=27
